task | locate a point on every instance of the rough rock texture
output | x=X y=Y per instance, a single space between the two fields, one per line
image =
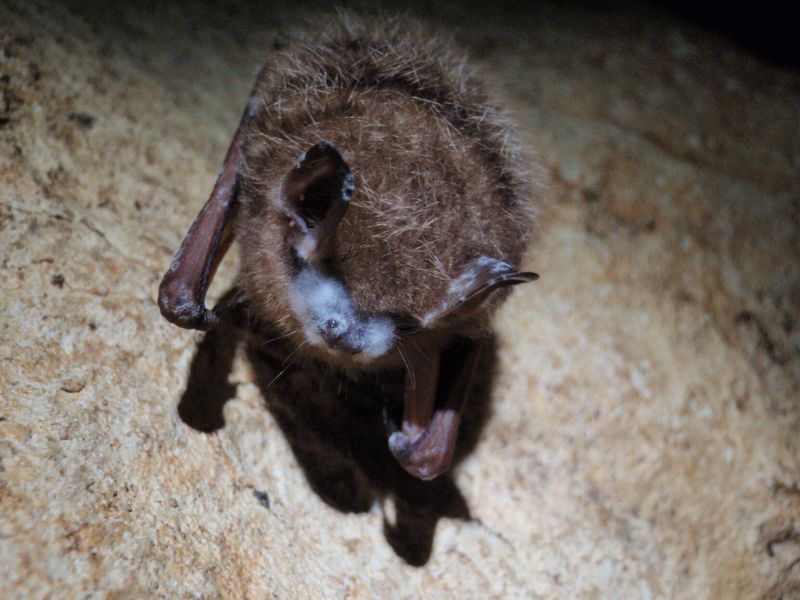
x=642 y=437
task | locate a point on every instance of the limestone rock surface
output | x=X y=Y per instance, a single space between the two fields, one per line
x=642 y=439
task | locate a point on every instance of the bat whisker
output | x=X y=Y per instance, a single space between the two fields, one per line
x=295 y=351
x=280 y=337
x=286 y=368
x=408 y=366
x=416 y=345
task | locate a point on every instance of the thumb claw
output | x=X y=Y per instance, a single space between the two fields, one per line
x=399 y=443
x=420 y=457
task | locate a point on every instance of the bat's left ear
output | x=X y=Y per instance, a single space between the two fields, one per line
x=475 y=286
x=316 y=193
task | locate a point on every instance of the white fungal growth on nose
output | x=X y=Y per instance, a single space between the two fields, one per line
x=322 y=302
x=316 y=300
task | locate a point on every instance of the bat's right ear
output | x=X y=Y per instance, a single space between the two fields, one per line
x=317 y=192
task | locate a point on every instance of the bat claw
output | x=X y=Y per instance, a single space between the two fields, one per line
x=430 y=454
x=388 y=423
x=181 y=307
x=399 y=443
x=425 y=445
x=413 y=458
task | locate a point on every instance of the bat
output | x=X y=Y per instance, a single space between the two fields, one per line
x=379 y=207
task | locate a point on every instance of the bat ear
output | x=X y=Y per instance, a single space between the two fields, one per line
x=473 y=287
x=317 y=192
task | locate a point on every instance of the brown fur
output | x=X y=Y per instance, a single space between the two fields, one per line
x=437 y=181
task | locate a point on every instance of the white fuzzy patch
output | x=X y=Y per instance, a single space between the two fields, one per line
x=318 y=300
x=467 y=283
x=377 y=336
x=252 y=106
x=275 y=195
x=306 y=246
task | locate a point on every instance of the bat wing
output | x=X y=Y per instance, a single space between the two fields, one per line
x=432 y=408
x=182 y=293
x=434 y=397
x=473 y=287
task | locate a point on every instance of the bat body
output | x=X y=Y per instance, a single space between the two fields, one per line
x=378 y=207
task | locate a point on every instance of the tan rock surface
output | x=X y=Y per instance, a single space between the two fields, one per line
x=643 y=436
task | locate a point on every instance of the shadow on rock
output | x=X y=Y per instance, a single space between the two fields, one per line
x=208 y=389
x=337 y=429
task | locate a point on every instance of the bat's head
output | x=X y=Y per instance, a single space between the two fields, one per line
x=350 y=294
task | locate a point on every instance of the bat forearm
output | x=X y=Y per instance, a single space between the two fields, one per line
x=428 y=452
x=181 y=295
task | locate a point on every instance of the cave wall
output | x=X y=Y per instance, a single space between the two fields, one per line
x=641 y=439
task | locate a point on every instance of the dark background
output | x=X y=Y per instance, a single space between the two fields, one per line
x=770 y=30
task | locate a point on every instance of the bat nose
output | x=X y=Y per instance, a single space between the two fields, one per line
x=337 y=337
